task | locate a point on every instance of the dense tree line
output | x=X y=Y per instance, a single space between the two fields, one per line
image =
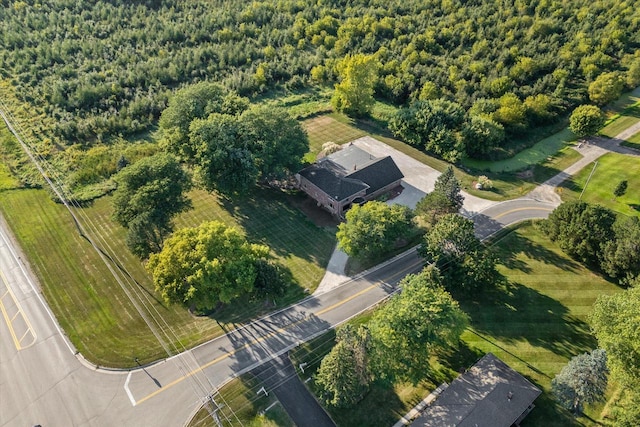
x=107 y=67
x=598 y=237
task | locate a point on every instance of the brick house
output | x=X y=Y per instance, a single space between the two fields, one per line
x=348 y=176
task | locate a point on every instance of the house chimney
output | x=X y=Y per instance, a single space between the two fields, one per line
x=509 y=395
x=355 y=167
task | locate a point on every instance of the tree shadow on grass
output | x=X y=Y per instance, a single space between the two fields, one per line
x=548 y=413
x=514 y=312
x=520 y=245
x=267 y=217
x=380 y=407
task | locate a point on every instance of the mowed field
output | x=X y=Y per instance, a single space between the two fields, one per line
x=506 y=185
x=610 y=170
x=535 y=323
x=539 y=320
x=96 y=309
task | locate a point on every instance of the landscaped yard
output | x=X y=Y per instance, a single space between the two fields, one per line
x=611 y=169
x=96 y=312
x=507 y=185
x=535 y=324
x=539 y=321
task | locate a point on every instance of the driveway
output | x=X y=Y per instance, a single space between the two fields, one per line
x=419 y=178
x=279 y=377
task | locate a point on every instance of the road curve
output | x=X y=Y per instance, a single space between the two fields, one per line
x=494 y=218
x=45 y=383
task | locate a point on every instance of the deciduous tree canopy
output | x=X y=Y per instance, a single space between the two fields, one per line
x=205 y=265
x=102 y=69
x=150 y=192
x=373 y=229
x=414 y=324
x=230 y=143
x=616 y=325
x=354 y=94
x=586 y=120
x=461 y=258
x=581 y=229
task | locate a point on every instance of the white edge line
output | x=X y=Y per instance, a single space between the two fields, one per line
x=126 y=389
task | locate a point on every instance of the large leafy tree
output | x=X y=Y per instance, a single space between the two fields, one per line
x=415 y=323
x=581 y=229
x=344 y=374
x=150 y=193
x=434 y=125
x=621 y=254
x=615 y=322
x=277 y=141
x=195 y=102
x=230 y=152
x=205 y=265
x=373 y=228
x=606 y=87
x=463 y=260
x=482 y=135
x=583 y=381
x=354 y=94
x=586 y=120
x=223 y=158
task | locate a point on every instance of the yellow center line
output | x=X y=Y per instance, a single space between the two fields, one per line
x=11 y=331
x=521 y=209
x=251 y=343
x=20 y=312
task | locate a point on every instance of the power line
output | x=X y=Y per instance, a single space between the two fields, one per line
x=110 y=257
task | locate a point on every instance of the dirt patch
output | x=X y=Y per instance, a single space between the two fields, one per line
x=313 y=212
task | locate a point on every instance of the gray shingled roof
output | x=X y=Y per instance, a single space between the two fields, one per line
x=351 y=170
x=379 y=173
x=337 y=187
x=490 y=393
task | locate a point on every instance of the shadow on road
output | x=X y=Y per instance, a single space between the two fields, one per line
x=278 y=376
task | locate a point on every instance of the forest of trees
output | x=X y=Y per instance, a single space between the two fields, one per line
x=107 y=68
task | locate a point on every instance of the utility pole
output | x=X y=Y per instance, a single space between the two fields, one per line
x=213 y=409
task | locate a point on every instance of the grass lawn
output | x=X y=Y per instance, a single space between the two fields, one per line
x=633 y=142
x=528 y=157
x=622 y=114
x=507 y=185
x=97 y=314
x=535 y=324
x=612 y=168
x=244 y=406
x=538 y=321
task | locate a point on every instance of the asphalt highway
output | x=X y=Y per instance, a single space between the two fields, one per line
x=43 y=380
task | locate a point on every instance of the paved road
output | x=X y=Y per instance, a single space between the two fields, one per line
x=280 y=377
x=43 y=382
x=492 y=219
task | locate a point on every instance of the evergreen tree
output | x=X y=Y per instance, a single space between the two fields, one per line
x=448 y=184
x=582 y=381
